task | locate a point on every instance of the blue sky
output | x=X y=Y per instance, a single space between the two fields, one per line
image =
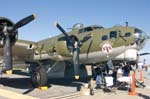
x=68 y=12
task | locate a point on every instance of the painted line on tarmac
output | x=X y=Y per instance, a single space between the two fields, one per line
x=68 y=96
x=72 y=95
x=14 y=95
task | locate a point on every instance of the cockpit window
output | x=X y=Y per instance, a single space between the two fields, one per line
x=113 y=34
x=88 y=29
x=81 y=31
x=97 y=27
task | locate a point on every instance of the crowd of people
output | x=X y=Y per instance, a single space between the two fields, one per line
x=118 y=71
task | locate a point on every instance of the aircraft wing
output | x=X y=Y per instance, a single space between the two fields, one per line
x=22 y=50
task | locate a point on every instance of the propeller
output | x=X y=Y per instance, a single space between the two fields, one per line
x=76 y=49
x=8 y=32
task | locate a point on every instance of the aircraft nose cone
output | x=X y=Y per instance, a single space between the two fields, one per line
x=140 y=38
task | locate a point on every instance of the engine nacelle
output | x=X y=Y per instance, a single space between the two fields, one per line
x=128 y=55
x=62 y=49
x=13 y=36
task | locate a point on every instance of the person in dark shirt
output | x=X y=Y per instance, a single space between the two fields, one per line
x=126 y=69
x=98 y=73
x=114 y=75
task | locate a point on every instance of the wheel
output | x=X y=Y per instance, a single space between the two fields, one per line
x=39 y=77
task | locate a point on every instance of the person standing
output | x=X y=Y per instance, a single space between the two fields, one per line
x=119 y=72
x=98 y=76
x=114 y=75
x=148 y=72
x=126 y=69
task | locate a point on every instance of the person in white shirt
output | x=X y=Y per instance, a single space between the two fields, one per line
x=119 y=72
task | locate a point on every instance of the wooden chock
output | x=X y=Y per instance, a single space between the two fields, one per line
x=43 y=87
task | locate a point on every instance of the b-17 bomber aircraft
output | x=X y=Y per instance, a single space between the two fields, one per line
x=81 y=46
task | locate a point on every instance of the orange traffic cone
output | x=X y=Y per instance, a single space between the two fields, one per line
x=132 y=91
x=141 y=76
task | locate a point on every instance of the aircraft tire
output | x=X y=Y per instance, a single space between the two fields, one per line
x=39 y=77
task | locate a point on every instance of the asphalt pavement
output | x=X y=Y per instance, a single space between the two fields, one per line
x=18 y=86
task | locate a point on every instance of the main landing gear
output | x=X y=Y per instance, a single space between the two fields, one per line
x=39 y=77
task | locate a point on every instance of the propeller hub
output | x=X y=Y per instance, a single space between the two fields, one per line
x=6 y=26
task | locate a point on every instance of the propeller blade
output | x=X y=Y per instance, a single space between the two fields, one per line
x=24 y=21
x=76 y=60
x=60 y=28
x=63 y=31
x=8 y=54
x=76 y=53
x=144 y=54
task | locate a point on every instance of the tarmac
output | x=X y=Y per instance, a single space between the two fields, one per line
x=18 y=86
